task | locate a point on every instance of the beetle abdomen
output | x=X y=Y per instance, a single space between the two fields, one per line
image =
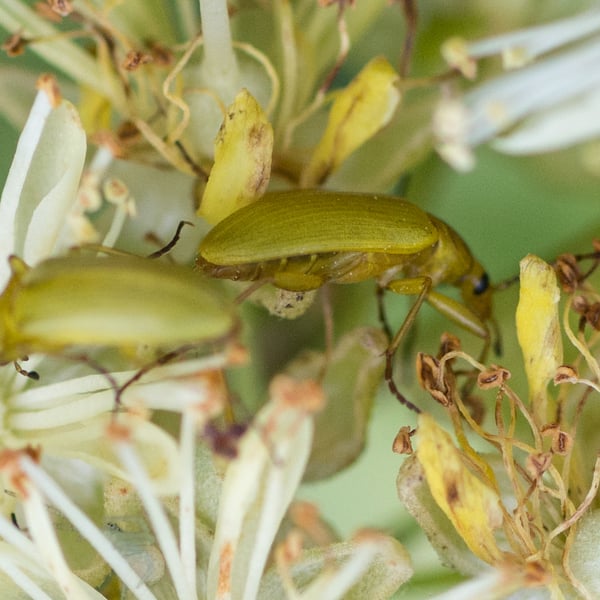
x=303 y=273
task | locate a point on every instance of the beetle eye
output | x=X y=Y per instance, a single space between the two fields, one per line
x=481 y=285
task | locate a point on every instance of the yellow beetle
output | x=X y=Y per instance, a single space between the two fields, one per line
x=118 y=301
x=301 y=239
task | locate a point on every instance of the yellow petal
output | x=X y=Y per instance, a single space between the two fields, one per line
x=538 y=328
x=358 y=112
x=456 y=53
x=94 y=110
x=243 y=150
x=471 y=505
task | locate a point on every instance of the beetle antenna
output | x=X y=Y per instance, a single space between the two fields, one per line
x=162 y=251
x=161 y=360
x=595 y=256
x=34 y=375
x=503 y=285
x=198 y=170
x=497 y=343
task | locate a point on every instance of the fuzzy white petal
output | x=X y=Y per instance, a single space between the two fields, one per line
x=42 y=182
x=502 y=102
x=565 y=125
x=534 y=41
x=257 y=490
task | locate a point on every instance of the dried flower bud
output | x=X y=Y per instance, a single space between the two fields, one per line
x=537 y=464
x=493 y=377
x=536 y=573
x=580 y=304
x=562 y=442
x=432 y=379
x=592 y=315
x=61 y=7
x=449 y=343
x=568 y=272
x=566 y=374
x=135 y=59
x=402 y=443
x=14 y=45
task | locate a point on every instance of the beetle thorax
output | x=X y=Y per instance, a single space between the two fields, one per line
x=447 y=261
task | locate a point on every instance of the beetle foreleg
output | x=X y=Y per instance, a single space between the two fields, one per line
x=459 y=314
x=462 y=316
x=448 y=307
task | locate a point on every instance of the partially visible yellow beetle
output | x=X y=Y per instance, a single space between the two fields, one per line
x=122 y=301
x=300 y=240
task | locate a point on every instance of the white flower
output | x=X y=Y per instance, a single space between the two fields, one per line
x=42 y=184
x=549 y=100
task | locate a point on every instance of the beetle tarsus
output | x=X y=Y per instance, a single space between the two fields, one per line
x=34 y=375
x=389 y=378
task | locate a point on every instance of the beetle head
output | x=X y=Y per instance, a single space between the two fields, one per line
x=452 y=262
x=476 y=291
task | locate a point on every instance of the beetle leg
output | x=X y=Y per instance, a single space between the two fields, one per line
x=410 y=17
x=311 y=264
x=462 y=316
x=418 y=285
x=459 y=313
x=257 y=274
x=389 y=378
x=380 y=290
x=251 y=289
x=348 y=267
x=448 y=307
x=425 y=286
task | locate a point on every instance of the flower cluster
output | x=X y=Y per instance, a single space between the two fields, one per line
x=523 y=511
x=126 y=468
x=104 y=495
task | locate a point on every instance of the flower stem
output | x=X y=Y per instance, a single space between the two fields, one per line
x=220 y=63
